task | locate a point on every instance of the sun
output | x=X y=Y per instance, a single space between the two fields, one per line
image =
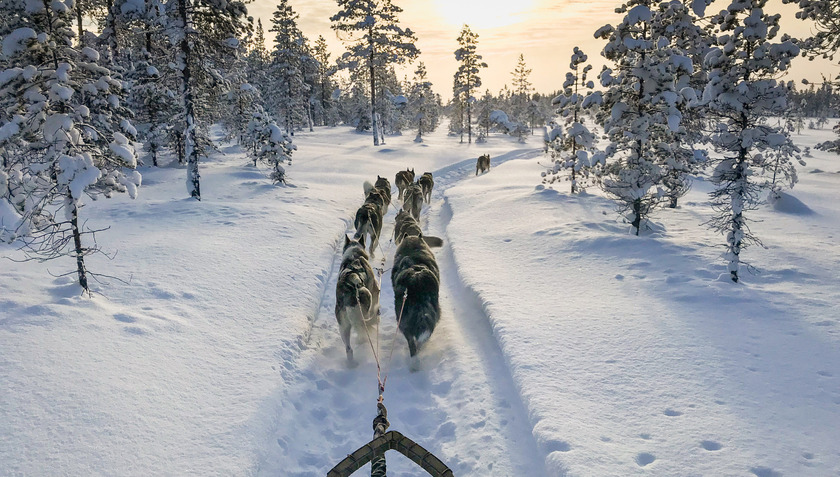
x=484 y=14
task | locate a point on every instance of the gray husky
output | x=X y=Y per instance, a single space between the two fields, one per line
x=483 y=163
x=426 y=182
x=403 y=180
x=368 y=222
x=413 y=200
x=416 y=279
x=384 y=187
x=356 y=292
x=406 y=225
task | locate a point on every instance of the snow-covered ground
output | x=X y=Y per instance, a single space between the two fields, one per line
x=566 y=345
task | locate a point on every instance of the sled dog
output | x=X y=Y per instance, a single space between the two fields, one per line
x=413 y=200
x=416 y=279
x=376 y=197
x=403 y=180
x=384 y=188
x=356 y=292
x=369 y=223
x=406 y=225
x=483 y=163
x=426 y=182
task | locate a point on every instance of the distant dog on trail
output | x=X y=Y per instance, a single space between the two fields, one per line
x=369 y=223
x=356 y=292
x=403 y=180
x=416 y=279
x=483 y=163
x=384 y=188
x=405 y=225
x=426 y=182
x=413 y=200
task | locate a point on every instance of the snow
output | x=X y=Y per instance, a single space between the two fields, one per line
x=566 y=345
x=90 y=53
x=13 y=43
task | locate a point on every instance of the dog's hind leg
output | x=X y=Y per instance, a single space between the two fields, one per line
x=344 y=327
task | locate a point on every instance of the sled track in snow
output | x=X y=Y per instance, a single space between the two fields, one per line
x=460 y=403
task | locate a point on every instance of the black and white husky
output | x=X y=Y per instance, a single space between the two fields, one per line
x=413 y=200
x=384 y=187
x=356 y=292
x=403 y=179
x=405 y=225
x=416 y=280
x=368 y=223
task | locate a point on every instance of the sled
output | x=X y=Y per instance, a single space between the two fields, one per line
x=374 y=451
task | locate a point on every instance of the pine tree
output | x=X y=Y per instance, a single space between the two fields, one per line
x=374 y=39
x=740 y=95
x=201 y=29
x=64 y=133
x=572 y=146
x=640 y=114
x=825 y=42
x=324 y=86
x=290 y=93
x=423 y=104
x=521 y=87
x=467 y=80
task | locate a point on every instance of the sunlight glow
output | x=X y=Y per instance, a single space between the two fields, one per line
x=484 y=14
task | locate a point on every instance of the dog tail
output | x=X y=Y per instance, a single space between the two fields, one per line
x=433 y=241
x=368 y=187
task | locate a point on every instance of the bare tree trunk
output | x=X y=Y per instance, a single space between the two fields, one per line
x=190 y=145
x=77 y=244
x=79 y=20
x=373 y=117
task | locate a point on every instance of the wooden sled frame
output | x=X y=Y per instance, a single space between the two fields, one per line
x=392 y=440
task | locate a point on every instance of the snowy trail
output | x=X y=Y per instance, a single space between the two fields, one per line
x=461 y=403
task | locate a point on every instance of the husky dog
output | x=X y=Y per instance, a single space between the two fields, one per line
x=426 y=183
x=356 y=292
x=369 y=222
x=376 y=197
x=406 y=225
x=413 y=200
x=403 y=180
x=384 y=188
x=483 y=163
x=416 y=279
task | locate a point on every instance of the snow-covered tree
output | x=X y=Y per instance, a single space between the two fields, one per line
x=640 y=113
x=572 y=141
x=324 y=106
x=203 y=30
x=467 y=79
x=64 y=133
x=423 y=104
x=374 y=40
x=268 y=143
x=289 y=95
x=521 y=87
x=742 y=92
x=825 y=42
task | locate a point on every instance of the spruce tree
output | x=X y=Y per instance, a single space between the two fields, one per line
x=572 y=145
x=640 y=115
x=741 y=94
x=374 y=40
x=467 y=80
x=203 y=30
x=422 y=104
x=64 y=132
x=290 y=92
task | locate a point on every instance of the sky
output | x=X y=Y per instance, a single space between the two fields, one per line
x=544 y=31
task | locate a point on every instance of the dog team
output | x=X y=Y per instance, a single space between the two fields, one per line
x=414 y=275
